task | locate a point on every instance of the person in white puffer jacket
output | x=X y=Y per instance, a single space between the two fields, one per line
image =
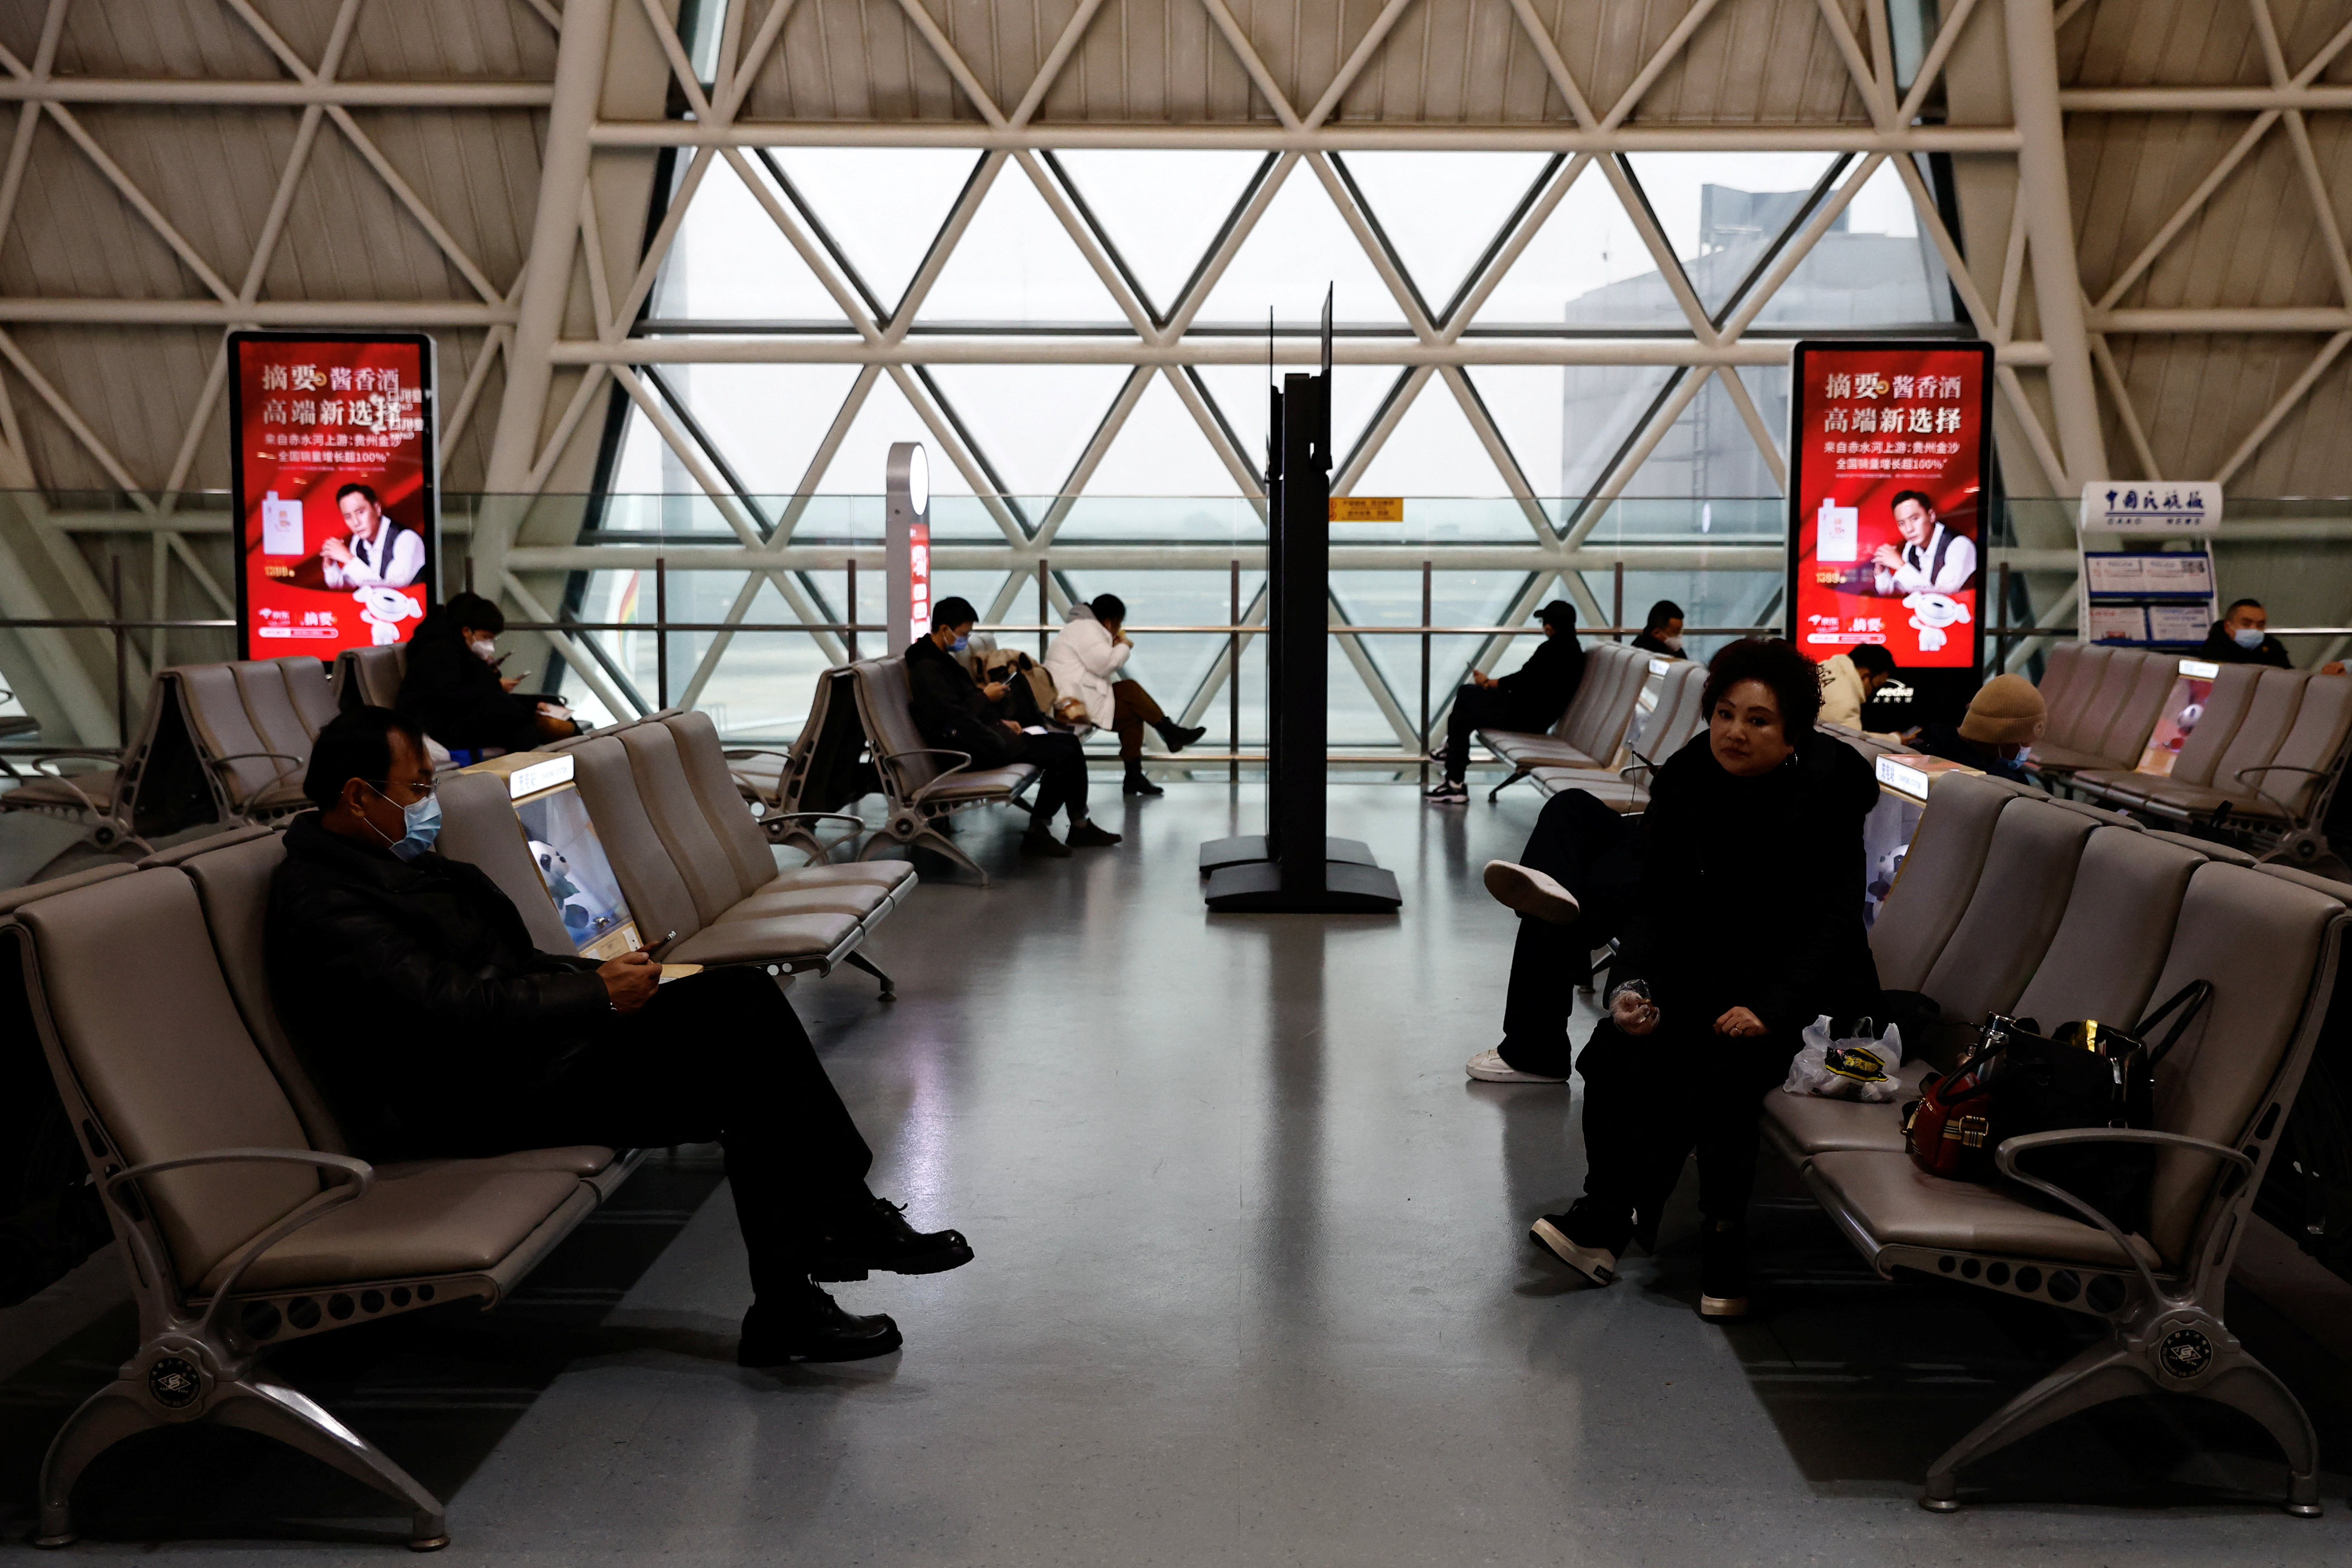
x=1084 y=660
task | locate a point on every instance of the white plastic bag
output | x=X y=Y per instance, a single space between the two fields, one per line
x=1858 y=1068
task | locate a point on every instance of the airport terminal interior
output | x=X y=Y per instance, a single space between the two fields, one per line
x=1338 y=781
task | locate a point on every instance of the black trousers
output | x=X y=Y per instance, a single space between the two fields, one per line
x=1061 y=763
x=1596 y=854
x=720 y=1054
x=1652 y=1100
x=1482 y=706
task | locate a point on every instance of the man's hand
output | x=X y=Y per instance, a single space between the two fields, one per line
x=1011 y=725
x=336 y=550
x=1887 y=557
x=1632 y=1013
x=629 y=980
x=2333 y=666
x=995 y=691
x=1739 y=1021
x=1480 y=678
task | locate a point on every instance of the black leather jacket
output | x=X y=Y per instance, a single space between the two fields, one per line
x=414 y=992
x=457 y=696
x=951 y=710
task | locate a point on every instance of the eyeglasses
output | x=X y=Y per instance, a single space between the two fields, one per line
x=424 y=787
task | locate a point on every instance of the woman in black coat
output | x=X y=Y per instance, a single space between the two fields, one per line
x=456 y=693
x=1747 y=926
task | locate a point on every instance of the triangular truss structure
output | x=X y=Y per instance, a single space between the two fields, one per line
x=2107 y=311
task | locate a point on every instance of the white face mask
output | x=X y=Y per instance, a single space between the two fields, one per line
x=484 y=648
x=2248 y=637
x=1673 y=645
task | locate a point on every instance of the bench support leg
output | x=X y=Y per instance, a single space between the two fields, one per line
x=259 y=1403
x=2117 y=1369
x=913 y=830
x=255 y=1402
x=860 y=960
x=1516 y=776
x=2098 y=1374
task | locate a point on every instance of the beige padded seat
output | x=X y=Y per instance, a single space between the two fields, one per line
x=73 y=791
x=664 y=906
x=922 y=783
x=1938 y=876
x=1678 y=719
x=1801 y=1126
x=1902 y=1206
x=1999 y=939
x=711 y=875
x=371 y=677
x=2066 y=733
x=2137 y=715
x=478 y=826
x=708 y=773
x=311 y=687
x=269 y=707
x=2058 y=667
x=2246 y=716
x=251 y=777
x=2228 y=854
x=88 y=875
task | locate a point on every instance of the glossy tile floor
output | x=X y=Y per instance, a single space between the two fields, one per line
x=1252 y=1287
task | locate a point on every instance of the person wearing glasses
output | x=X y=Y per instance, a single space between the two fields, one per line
x=439 y=1031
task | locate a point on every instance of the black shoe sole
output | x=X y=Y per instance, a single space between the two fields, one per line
x=1140 y=789
x=863 y=1348
x=839 y=1270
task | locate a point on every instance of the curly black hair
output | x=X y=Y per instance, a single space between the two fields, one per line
x=1794 y=679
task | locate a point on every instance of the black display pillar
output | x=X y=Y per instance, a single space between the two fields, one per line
x=1294 y=866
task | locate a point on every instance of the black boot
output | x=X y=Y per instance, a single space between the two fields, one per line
x=876 y=1236
x=797 y=1321
x=1135 y=783
x=1723 y=1269
x=1177 y=736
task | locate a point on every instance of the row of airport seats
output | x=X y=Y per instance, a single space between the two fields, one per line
x=700 y=877
x=1667 y=713
x=244 y=1218
x=1590 y=735
x=2263 y=761
x=860 y=737
x=221 y=743
x=2012 y=903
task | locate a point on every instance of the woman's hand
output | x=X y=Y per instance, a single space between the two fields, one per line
x=995 y=691
x=510 y=681
x=1632 y=1013
x=1739 y=1021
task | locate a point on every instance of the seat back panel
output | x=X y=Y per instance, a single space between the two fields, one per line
x=2315 y=741
x=311 y=685
x=167 y=1063
x=221 y=727
x=478 y=826
x=701 y=860
x=884 y=700
x=701 y=753
x=2136 y=717
x=2118 y=923
x=270 y=706
x=2065 y=726
x=1937 y=878
x=2225 y=709
x=1999 y=939
x=658 y=898
x=2260 y=940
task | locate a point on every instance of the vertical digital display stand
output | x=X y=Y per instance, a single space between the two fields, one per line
x=1294 y=867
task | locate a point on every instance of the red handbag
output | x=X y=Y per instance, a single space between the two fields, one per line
x=1949 y=1129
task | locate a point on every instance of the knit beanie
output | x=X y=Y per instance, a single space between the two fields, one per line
x=2007 y=712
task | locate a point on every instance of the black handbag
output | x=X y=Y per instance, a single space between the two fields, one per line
x=2085 y=1075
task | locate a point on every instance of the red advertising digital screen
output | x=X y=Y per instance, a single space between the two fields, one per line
x=333 y=478
x=1887 y=454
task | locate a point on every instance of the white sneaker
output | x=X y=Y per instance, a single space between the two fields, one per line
x=1488 y=1067
x=1529 y=892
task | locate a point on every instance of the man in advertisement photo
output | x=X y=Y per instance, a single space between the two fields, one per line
x=1932 y=559
x=379 y=551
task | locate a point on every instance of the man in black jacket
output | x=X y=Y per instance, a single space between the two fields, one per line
x=2243 y=635
x=956 y=714
x=1532 y=697
x=412 y=981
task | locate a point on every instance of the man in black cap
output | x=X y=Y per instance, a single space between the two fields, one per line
x=1532 y=697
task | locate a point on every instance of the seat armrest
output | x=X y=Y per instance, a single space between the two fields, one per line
x=893 y=759
x=2005 y=1157
x=2280 y=768
x=362 y=1178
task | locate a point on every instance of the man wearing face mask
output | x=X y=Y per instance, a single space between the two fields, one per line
x=454 y=691
x=439 y=1031
x=956 y=714
x=1662 y=630
x=2242 y=637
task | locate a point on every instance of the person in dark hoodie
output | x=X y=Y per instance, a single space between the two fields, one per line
x=1533 y=697
x=957 y=713
x=1746 y=926
x=439 y=1030
x=456 y=694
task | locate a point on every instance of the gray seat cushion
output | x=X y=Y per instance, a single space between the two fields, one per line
x=1818 y=1126
x=1901 y=1206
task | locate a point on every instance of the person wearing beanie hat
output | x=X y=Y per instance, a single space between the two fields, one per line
x=1531 y=698
x=2006 y=716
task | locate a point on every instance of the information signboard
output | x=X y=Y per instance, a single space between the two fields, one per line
x=333 y=469
x=1889 y=446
